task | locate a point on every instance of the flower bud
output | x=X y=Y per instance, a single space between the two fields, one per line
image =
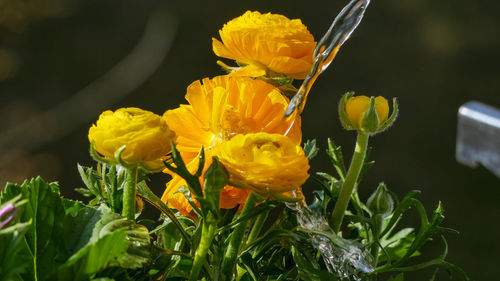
x=366 y=114
x=380 y=202
x=7 y=213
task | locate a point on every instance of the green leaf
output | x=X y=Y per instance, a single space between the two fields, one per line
x=455 y=269
x=109 y=250
x=13 y=259
x=257 y=210
x=80 y=228
x=89 y=177
x=402 y=207
x=247 y=262
x=136 y=235
x=43 y=239
x=64 y=232
x=146 y=193
x=335 y=153
x=310 y=149
x=398 y=249
x=216 y=178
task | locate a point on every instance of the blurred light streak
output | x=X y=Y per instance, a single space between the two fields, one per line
x=110 y=88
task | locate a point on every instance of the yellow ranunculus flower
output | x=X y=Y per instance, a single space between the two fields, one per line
x=264 y=163
x=218 y=109
x=358 y=105
x=267 y=42
x=146 y=135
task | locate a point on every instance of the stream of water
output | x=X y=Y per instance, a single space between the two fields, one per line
x=344 y=24
x=345 y=258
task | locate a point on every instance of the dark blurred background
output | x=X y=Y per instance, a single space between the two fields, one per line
x=62 y=62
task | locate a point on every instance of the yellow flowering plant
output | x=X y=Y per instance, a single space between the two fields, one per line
x=232 y=207
x=268 y=164
x=266 y=44
x=218 y=109
x=131 y=136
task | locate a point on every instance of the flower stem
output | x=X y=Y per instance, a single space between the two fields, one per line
x=207 y=235
x=232 y=252
x=128 y=210
x=350 y=181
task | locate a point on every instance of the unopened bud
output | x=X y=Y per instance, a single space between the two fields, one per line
x=380 y=202
x=366 y=114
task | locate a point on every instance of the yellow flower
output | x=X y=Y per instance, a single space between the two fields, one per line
x=146 y=135
x=265 y=163
x=219 y=109
x=267 y=42
x=357 y=106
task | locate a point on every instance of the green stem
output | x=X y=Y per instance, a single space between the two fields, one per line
x=233 y=250
x=128 y=210
x=257 y=226
x=377 y=221
x=207 y=235
x=350 y=181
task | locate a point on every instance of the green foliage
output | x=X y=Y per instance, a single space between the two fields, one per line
x=105 y=184
x=13 y=260
x=310 y=149
x=64 y=239
x=215 y=179
x=310 y=271
x=54 y=238
x=46 y=211
x=94 y=257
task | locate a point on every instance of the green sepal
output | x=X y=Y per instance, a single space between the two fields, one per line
x=288 y=90
x=101 y=159
x=283 y=197
x=277 y=80
x=344 y=119
x=370 y=122
x=216 y=178
x=395 y=112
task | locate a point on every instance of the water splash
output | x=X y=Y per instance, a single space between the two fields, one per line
x=340 y=30
x=345 y=258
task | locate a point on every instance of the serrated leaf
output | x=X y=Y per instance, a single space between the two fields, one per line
x=13 y=257
x=109 y=250
x=90 y=179
x=310 y=149
x=138 y=251
x=43 y=239
x=335 y=153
